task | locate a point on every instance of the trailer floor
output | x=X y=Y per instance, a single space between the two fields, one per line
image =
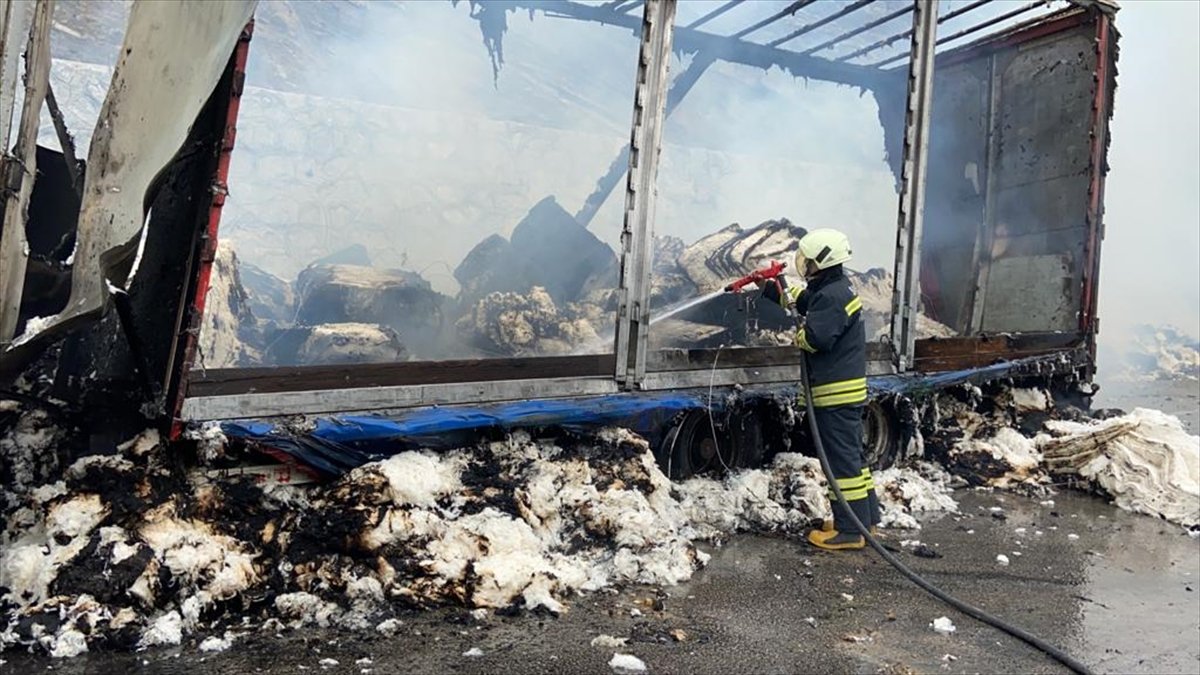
x=1123 y=597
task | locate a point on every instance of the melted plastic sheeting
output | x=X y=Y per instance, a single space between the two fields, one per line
x=915 y=384
x=335 y=445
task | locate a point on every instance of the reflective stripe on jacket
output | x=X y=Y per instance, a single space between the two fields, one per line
x=833 y=334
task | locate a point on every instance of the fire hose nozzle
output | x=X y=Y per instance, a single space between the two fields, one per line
x=774 y=269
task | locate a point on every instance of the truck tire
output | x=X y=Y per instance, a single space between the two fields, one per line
x=747 y=439
x=881 y=437
x=689 y=448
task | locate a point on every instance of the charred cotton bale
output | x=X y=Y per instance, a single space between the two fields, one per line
x=269 y=297
x=512 y=324
x=668 y=282
x=733 y=252
x=548 y=248
x=397 y=299
x=681 y=334
x=338 y=343
x=561 y=254
x=488 y=268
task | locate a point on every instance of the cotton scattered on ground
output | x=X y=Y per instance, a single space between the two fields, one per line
x=1006 y=448
x=783 y=497
x=216 y=644
x=987 y=449
x=166 y=630
x=608 y=641
x=389 y=627
x=906 y=492
x=790 y=493
x=518 y=523
x=626 y=663
x=943 y=625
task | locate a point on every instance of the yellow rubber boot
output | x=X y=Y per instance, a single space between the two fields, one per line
x=832 y=540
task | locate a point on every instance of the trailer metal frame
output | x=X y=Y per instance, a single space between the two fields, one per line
x=237 y=393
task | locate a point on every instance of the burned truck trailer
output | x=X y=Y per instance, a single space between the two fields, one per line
x=997 y=145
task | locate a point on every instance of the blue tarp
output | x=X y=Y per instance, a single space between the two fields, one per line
x=910 y=384
x=634 y=409
x=339 y=443
x=336 y=444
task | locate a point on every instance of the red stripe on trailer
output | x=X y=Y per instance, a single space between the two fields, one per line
x=1101 y=111
x=208 y=245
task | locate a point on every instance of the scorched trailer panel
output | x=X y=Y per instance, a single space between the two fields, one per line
x=973 y=86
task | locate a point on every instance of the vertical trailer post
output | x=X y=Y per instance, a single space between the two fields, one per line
x=649 y=105
x=15 y=20
x=906 y=293
x=20 y=170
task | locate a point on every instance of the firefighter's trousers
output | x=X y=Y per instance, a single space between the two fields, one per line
x=841 y=434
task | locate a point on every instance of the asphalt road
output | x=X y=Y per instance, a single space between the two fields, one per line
x=1180 y=398
x=1122 y=597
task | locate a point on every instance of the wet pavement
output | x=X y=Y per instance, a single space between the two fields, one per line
x=1180 y=398
x=1122 y=596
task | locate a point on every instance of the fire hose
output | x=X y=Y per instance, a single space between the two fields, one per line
x=770 y=274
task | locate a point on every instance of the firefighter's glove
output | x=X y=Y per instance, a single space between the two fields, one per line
x=801 y=340
x=798 y=340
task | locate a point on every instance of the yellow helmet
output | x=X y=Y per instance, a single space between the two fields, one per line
x=825 y=247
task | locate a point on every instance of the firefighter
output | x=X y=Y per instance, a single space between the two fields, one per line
x=833 y=334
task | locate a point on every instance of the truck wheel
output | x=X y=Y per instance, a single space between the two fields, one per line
x=746 y=439
x=689 y=448
x=880 y=436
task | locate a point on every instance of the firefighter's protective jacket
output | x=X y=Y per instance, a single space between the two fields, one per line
x=833 y=333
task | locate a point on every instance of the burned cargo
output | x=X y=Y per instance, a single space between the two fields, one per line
x=558 y=411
